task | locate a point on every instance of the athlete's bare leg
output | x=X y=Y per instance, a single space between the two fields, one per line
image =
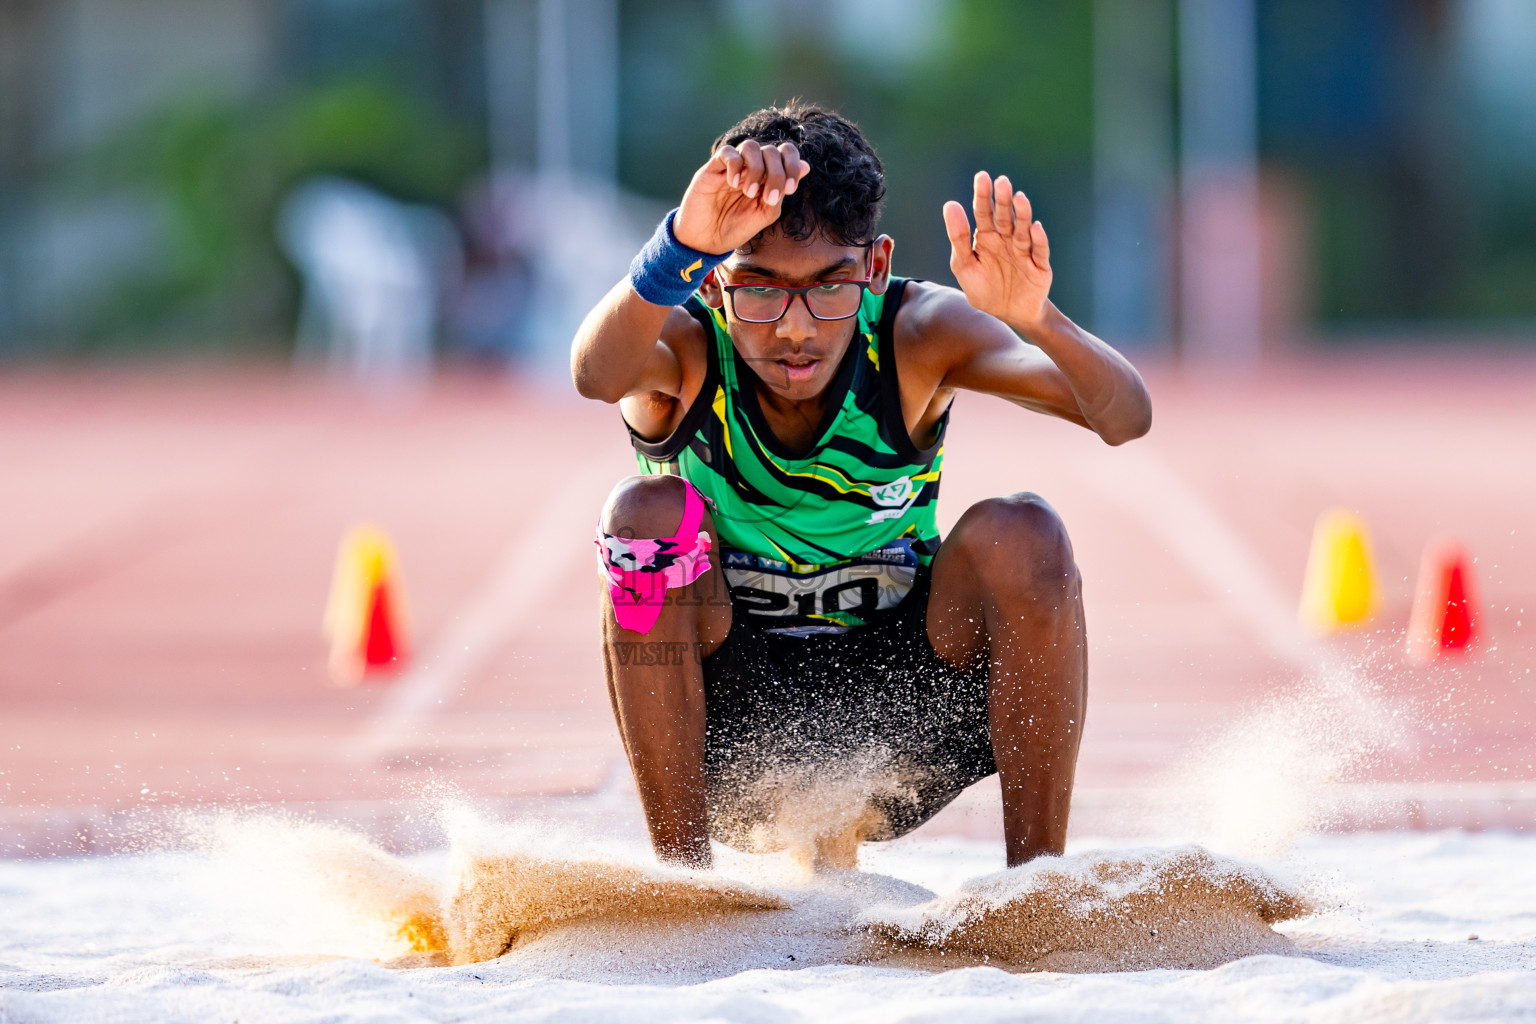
x=655 y=679
x=1006 y=590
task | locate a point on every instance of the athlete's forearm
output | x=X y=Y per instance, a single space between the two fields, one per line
x=614 y=344
x=1110 y=393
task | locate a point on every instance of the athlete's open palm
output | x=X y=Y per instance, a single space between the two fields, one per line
x=1005 y=268
x=738 y=193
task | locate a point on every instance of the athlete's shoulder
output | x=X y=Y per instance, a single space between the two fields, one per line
x=686 y=337
x=933 y=324
x=682 y=325
x=930 y=308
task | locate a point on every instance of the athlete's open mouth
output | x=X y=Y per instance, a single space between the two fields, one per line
x=799 y=367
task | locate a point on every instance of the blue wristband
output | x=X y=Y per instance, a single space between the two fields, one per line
x=666 y=271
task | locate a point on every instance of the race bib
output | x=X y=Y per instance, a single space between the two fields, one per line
x=830 y=598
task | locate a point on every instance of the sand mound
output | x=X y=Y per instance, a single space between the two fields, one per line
x=818 y=927
x=1123 y=911
x=496 y=900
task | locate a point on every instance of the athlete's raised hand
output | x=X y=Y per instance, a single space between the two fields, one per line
x=736 y=194
x=1005 y=267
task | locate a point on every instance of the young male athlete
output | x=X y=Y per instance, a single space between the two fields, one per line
x=778 y=603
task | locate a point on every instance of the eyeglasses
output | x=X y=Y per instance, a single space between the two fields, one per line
x=767 y=303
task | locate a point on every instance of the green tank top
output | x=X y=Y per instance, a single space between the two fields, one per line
x=822 y=540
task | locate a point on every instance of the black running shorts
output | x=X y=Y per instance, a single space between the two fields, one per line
x=873 y=710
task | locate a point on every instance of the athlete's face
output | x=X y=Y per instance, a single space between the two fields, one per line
x=797 y=355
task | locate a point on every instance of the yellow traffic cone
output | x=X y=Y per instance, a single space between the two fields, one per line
x=1340 y=586
x=365 y=619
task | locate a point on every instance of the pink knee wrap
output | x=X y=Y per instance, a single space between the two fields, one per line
x=640 y=570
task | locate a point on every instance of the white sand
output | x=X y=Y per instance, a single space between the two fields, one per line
x=171 y=937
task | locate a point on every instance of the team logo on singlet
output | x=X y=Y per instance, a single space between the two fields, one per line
x=893 y=494
x=897 y=496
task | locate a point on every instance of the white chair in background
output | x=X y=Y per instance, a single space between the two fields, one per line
x=375 y=271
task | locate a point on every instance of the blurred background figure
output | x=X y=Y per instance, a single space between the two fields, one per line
x=375 y=274
x=498 y=277
x=556 y=242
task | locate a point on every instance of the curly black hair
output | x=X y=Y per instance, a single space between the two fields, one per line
x=840 y=198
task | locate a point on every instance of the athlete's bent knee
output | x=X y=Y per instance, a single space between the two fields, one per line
x=1018 y=539
x=645 y=506
x=645 y=548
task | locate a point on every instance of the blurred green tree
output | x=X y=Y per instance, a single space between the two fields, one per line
x=217 y=174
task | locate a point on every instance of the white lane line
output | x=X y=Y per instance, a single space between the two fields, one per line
x=541 y=552
x=1148 y=490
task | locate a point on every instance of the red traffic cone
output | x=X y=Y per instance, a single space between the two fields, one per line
x=1444 y=619
x=365 y=617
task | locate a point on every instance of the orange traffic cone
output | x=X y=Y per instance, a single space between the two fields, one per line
x=1444 y=619
x=1339 y=590
x=365 y=618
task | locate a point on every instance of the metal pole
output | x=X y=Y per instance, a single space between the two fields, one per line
x=510 y=82
x=1133 y=170
x=1220 y=272
x=554 y=105
x=23 y=53
x=597 y=66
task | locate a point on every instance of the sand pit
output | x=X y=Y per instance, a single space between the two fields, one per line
x=554 y=905
x=175 y=936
